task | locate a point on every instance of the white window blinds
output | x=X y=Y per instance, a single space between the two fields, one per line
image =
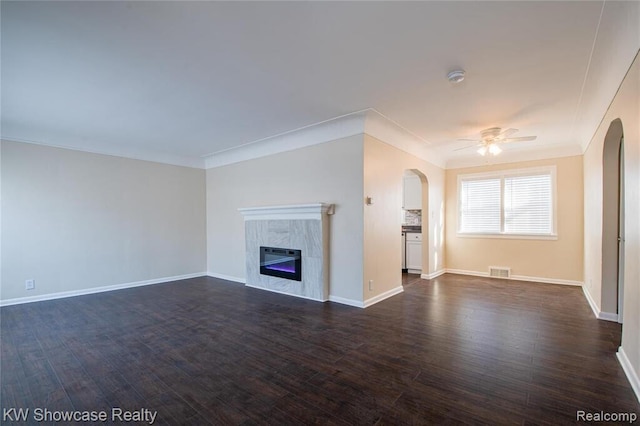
x=527 y=205
x=480 y=206
x=517 y=202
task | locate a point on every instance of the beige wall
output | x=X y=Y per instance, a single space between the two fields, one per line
x=559 y=260
x=384 y=166
x=75 y=221
x=625 y=106
x=330 y=172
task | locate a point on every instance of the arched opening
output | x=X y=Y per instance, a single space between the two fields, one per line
x=415 y=215
x=613 y=222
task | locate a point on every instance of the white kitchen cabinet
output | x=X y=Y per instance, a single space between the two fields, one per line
x=412 y=193
x=414 y=252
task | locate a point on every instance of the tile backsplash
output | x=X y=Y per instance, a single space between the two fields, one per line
x=412 y=217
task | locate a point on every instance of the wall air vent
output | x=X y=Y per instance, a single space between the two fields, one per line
x=499 y=272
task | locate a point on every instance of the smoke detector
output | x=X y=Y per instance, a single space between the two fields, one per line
x=456 y=76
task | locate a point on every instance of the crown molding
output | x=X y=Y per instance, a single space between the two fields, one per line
x=385 y=129
x=128 y=152
x=367 y=121
x=325 y=131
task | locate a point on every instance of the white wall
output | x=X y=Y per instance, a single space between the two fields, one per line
x=625 y=106
x=330 y=172
x=384 y=166
x=74 y=221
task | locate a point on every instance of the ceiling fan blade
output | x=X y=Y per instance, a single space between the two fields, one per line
x=520 y=139
x=506 y=133
x=468 y=140
x=468 y=146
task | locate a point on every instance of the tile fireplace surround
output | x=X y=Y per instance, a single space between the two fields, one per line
x=302 y=227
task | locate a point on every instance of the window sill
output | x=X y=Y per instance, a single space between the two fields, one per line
x=551 y=237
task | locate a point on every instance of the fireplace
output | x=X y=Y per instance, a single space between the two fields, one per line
x=281 y=262
x=282 y=239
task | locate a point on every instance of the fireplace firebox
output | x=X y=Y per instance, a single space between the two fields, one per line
x=281 y=262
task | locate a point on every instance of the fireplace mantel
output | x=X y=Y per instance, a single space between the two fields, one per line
x=287 y=212
x=303 y=227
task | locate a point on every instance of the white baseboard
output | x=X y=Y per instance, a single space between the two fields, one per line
x=345 y=301
x=464 y=272
x=82 y=292
x=433 y=275
x=379 y=298
x=286 y=294
x=546 y=280
x=227 y=277
x=543 y=280
x=592 y=303
x=632 y=375
x=606 y=316
x=372 y=301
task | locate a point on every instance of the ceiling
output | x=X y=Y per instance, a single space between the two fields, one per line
x=183 y=80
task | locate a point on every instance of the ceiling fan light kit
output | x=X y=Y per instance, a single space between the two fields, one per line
x=494 y=149
x=491 y=137
x=491 y=148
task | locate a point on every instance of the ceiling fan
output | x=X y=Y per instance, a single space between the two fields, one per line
x=490 y=139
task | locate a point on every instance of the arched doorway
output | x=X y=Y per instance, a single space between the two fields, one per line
x=415 y=209
x=613 y=221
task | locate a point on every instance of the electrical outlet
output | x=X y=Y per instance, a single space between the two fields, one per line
x=370 y=285
x=30 y=284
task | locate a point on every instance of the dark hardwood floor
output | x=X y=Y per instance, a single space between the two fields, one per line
x=452 y=350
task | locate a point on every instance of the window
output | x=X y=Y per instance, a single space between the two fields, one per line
x=509 y=203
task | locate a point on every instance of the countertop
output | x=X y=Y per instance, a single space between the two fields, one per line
x=412 y=228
